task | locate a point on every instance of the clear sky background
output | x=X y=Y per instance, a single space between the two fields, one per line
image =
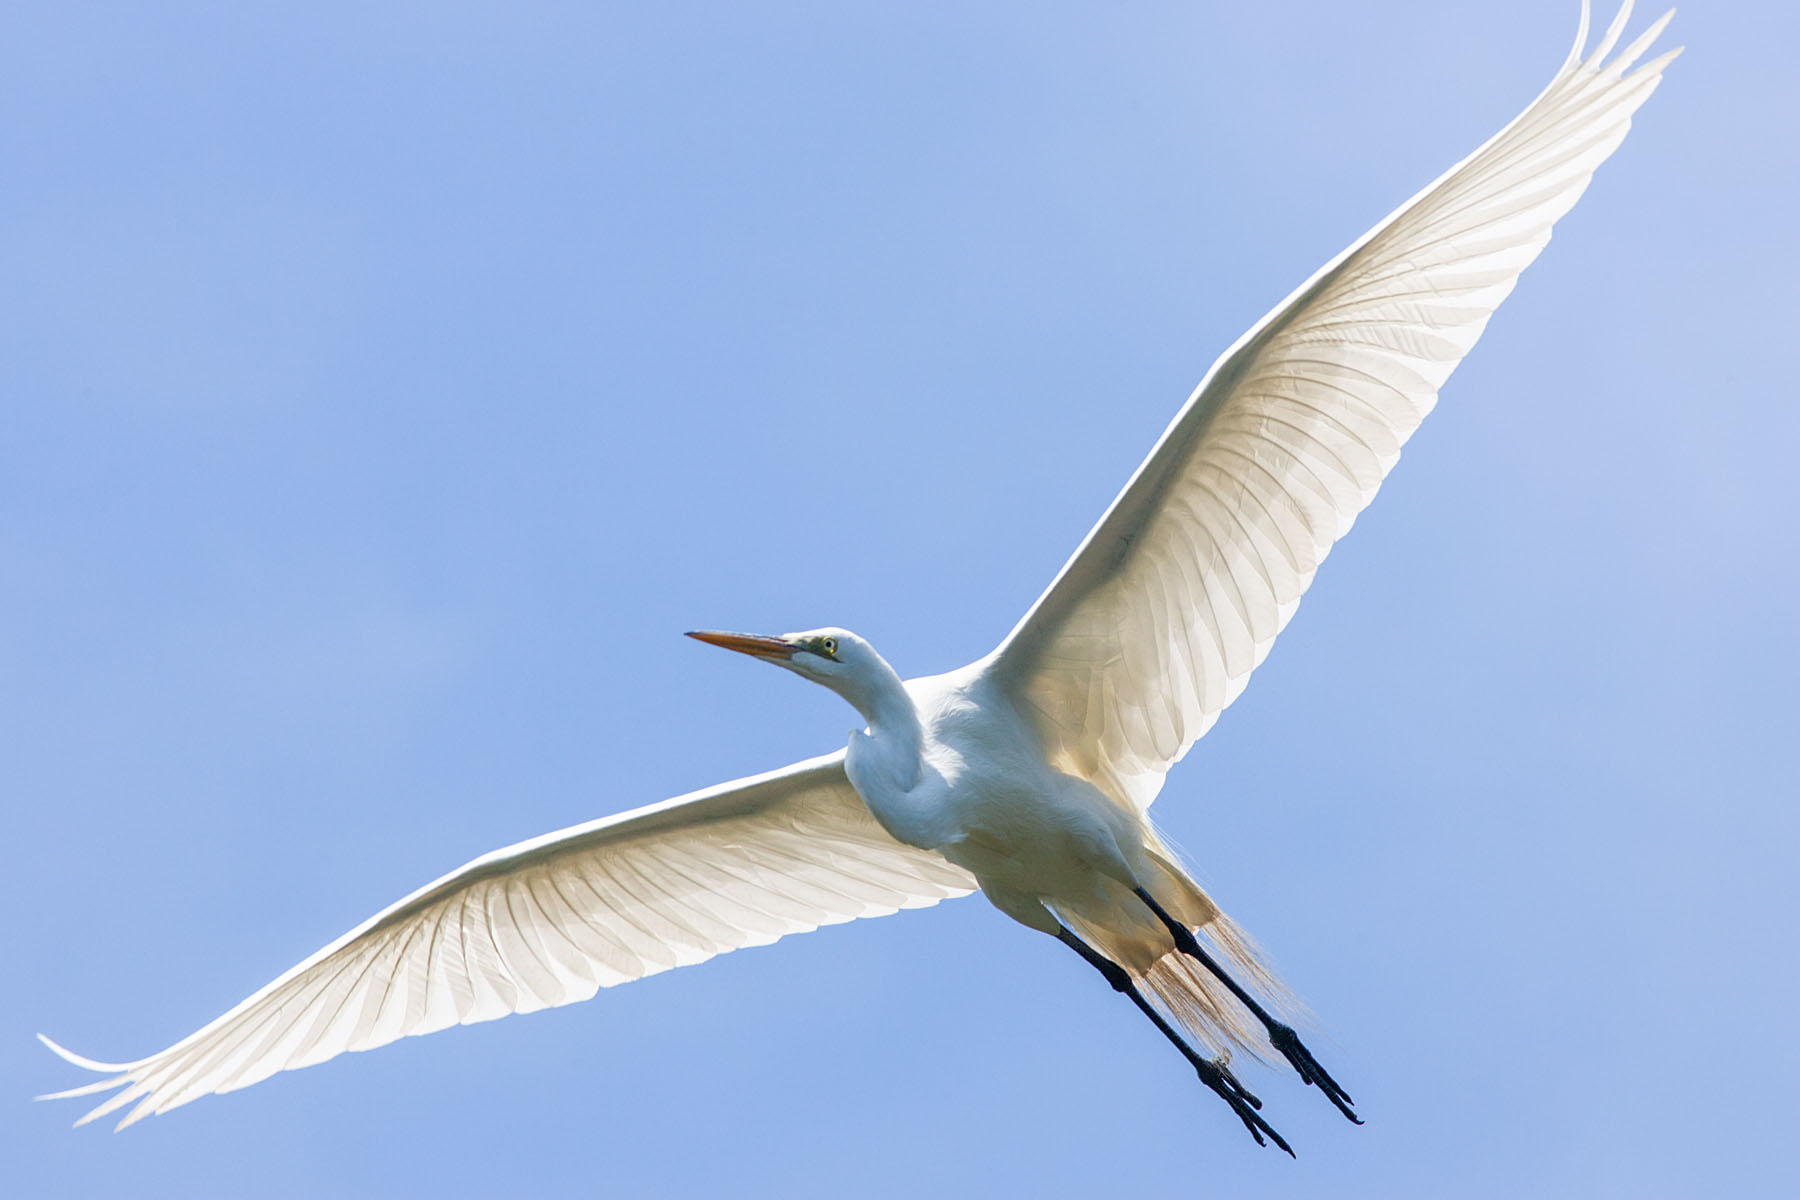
x=386 y=387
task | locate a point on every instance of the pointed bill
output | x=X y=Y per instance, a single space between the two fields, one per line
x=746 y=643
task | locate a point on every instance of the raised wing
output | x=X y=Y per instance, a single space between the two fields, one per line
x=1155 y=624
x=550 y=921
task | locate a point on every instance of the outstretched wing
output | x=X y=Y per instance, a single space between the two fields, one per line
x=1155 y=624
x=550 y=921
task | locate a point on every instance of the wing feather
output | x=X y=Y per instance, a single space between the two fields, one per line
x=1156 y=622
x=551 y=921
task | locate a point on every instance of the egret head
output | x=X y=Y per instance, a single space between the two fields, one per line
x=821 y=655
x=836 y=658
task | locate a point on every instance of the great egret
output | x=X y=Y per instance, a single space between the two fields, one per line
x=1028 y=773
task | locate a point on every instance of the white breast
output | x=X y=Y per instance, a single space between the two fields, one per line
x=979 y=790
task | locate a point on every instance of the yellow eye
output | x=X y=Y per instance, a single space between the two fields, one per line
x=829 y=645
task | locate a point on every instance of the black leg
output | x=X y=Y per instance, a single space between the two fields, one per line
x=1281 y=1036
x=1213 y=1073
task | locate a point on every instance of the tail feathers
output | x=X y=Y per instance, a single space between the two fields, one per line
x=1202 y=1006
x=1185 y=989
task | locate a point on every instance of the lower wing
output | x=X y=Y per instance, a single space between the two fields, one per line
x=552 y=920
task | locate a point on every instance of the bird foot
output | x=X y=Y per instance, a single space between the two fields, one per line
x=1215 y=1075
x=1288 y=1042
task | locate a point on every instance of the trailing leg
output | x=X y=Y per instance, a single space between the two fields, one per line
x=1213 y=1073
x=1281 y=1036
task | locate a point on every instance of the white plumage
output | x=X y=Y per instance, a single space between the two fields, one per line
x=552 y=920
x=1155 y=624
x=1028 y=773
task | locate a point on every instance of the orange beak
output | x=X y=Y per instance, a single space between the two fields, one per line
x=746 y=643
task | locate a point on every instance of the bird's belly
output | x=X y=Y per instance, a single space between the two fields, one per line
x=980 y=793
x=1042 y=841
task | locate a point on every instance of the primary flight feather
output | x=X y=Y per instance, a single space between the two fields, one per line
x=1027 y=774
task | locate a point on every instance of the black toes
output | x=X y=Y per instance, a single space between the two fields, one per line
x=1288 y=1042
x=1215 y=1076
x=1231 y=1081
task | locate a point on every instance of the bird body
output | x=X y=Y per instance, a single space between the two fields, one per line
x=949 y=764
x=1029 y=773
x=959 y=771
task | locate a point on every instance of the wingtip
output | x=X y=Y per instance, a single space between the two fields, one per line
x=1581 y=58
x=79 y=1060
x=1644 y=41
x=1614 y=31
x=1581 y=36
x=142 y=1110
x=117 y=1075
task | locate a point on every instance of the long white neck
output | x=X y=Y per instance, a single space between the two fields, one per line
x=895 y=733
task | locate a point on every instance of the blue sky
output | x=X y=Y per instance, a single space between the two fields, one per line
x=387 y=390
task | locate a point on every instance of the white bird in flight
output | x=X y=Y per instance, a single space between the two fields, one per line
x=1029 y=773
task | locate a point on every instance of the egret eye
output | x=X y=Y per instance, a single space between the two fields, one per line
x=829 y=646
